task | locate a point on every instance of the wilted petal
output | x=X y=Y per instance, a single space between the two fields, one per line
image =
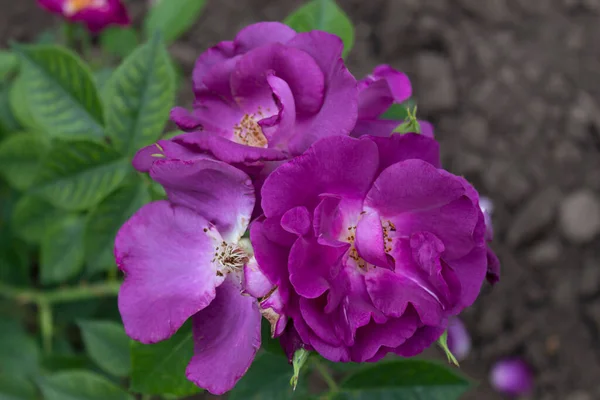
x=226 y=339
x=165 y=252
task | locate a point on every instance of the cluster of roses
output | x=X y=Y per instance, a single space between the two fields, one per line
x=360 y=244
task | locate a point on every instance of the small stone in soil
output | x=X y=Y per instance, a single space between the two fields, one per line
x=580 y=216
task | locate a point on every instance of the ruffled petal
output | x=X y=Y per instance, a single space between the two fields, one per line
x=226 y=339
x=221 y=193
x=262 y=33
x=162 y=150
x=397 y=148
x=370 y=241
x=423 y=338
x=165 y=253
x=378 y=91
x=214 y=56
x=338 y=166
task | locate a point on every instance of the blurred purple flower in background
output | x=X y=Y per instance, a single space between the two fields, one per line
x=512 y=376
x=95 y=14
x=459 y=340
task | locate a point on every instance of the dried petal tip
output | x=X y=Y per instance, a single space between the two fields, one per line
x=459 y=340
x=511 y=376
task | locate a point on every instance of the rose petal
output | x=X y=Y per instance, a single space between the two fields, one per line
x=338 y=166
x=162 y=150
x=409 y=146
x=262 y=33
x=219 y=192
x=370 y=241
x=169 y=276
x=380 y=90
x=423 y=338
x=226 y=339
x=297 y=221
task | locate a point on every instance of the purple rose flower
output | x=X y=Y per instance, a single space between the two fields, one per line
x=269 y=94
x=367 y=246
x=512 y=376
x=183 y=258
x=95 y=14
x=376 y=93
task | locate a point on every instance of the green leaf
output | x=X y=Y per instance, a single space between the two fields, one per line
x=8 y=120
x=20 y=157
x=399 y=112
x=119 y=41
x=16 y=388
x=102 y=76
x=80 y=385
x=19 y=352
x=8 y=64
x=323 y=15
x=172 y=18
x=108 y=345
x=267 y=379
x=62 y=255
x=78 y=175
x=15 y=265
x=140 y=94
x=32 y=217
x=160 y=368
x=21 y=106
x=443 y=343
x=61 y=90
x=104 y=223
x=406 y=379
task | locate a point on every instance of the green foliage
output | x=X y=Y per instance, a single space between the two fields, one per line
x=20 y=106
x=140 y=94
x=323 y=15
x=106 y=219
x=8 y=64
x=19 y=352
x=108 y=345
x=399 y=112
x=61 y=89
x=62 y=250
x=407 y=379
x=119 y=41
x=20 y=158
x=80 y=385
x=160 y=368
x=17 y=388
x=33 y=216
x=78 y=175
x=172 y=18
x=267 y=379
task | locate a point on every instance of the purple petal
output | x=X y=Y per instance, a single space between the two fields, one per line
x=166 y=254
x=512 y=376
x=219 y=192
x=493 y=269
x=337 y=165
x=97 y=19
x=297 y=68
x=328 y=220
x=459 y=340
x=409 y=146
x=185 y=120
x=470 y=271
x=162 y=150
x=312 y=266
x=386 y=127
x=255 y=282
x=392 y=292
x=371 y=242
x=226 y=150
x=423 y=338
x=226 y=339
x=284 y=126
x=380 y=90
x=319 y=322
x=392 y=333
x=262 y=33
x=297 y=221
x=212 y=58
x=338 y=113
x=291 y=342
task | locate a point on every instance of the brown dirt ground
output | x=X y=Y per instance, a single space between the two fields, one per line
x=513 y=87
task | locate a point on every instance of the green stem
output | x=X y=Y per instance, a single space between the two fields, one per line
x=61 y=295
x=46 y=327
x=326 y=375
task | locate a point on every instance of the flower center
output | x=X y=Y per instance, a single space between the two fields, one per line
x=230 y=257
x=387 y=228
x=249 y=132
x=72 y=7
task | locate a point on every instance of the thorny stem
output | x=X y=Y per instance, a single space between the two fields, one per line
x=326 y=375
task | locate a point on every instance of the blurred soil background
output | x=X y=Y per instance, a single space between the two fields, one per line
x=513 y=88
